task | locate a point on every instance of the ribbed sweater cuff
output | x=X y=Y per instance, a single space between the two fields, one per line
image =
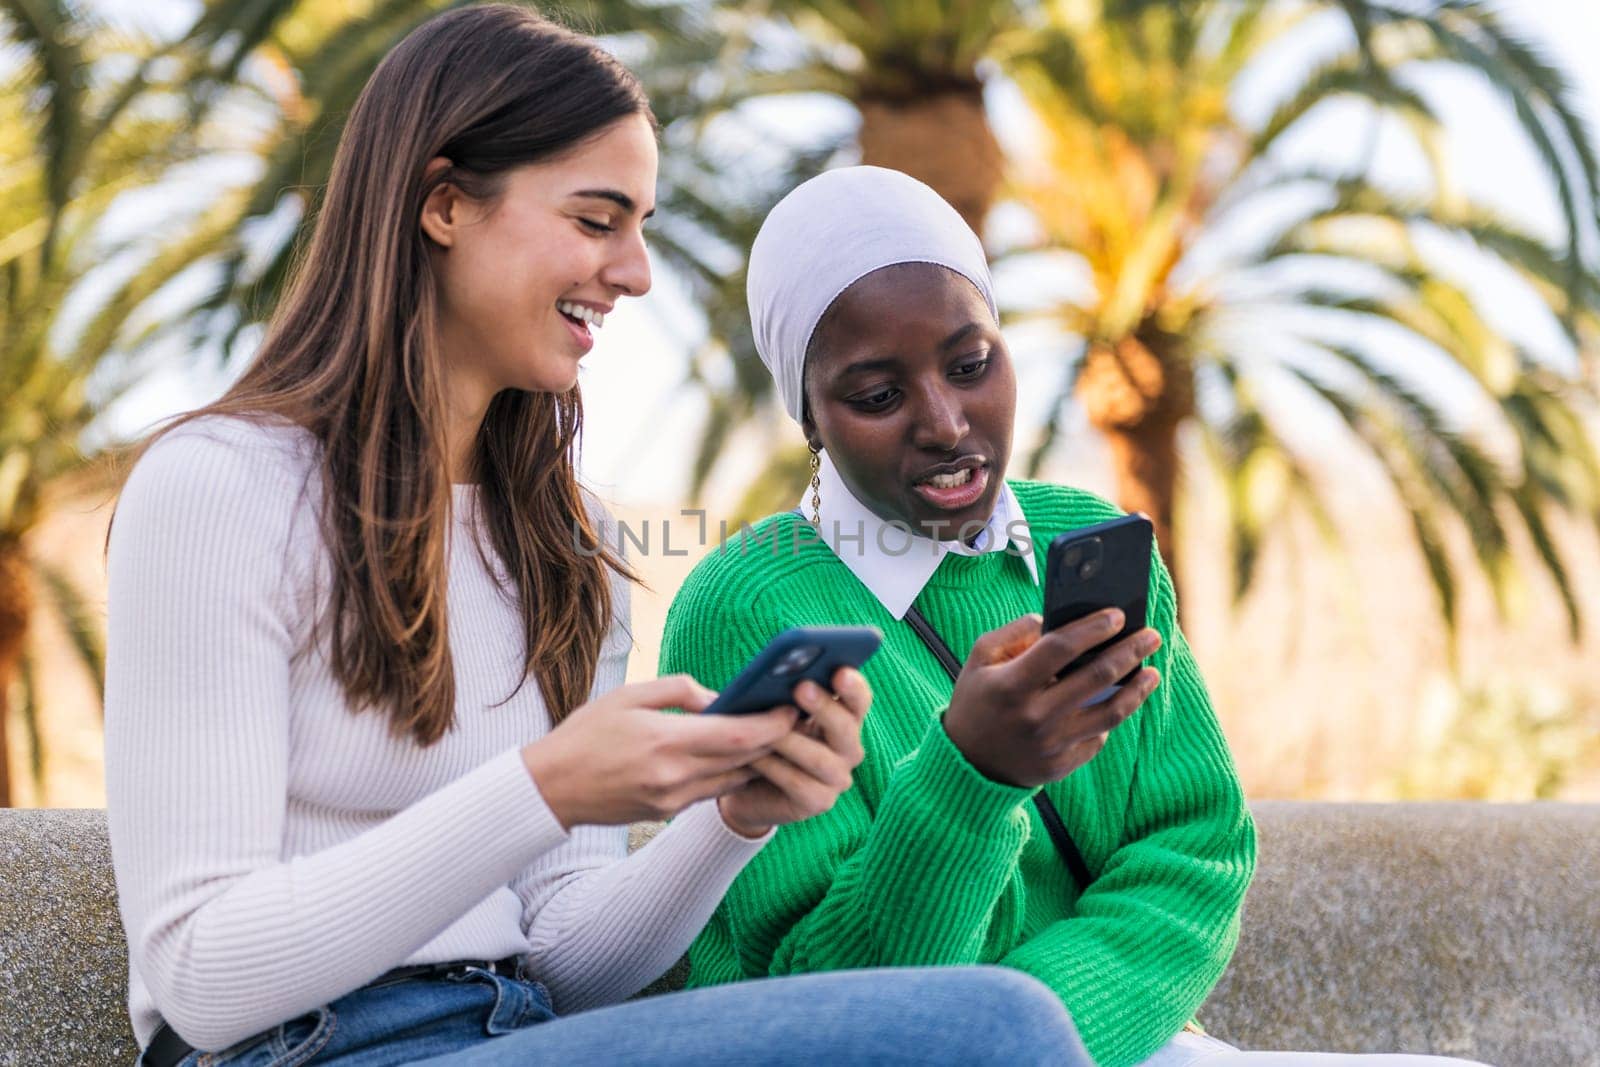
x=944 y=805
x=945 y=847
x=715 y=839
x=939 y=778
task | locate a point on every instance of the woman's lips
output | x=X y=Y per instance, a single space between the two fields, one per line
x=580 y=332
x=958 y=497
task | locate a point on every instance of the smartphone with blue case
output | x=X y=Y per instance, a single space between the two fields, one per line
x=794 y=656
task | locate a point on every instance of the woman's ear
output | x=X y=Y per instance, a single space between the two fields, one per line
x=441 y=212
x=809 y=428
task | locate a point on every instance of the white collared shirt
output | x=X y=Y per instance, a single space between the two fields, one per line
x=892 y=560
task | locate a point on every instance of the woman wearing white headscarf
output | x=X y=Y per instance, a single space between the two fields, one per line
x=873 y=308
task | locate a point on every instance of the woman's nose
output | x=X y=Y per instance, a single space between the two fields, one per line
x=629 y=271
x=940 y=422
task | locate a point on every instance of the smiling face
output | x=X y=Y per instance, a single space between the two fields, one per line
x=909 y=387
x=525 y=279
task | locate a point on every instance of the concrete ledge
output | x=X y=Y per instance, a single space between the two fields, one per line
x=1463 y=929
x=63 y=959
x=1466 y=929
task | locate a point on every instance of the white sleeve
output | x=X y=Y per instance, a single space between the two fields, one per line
x=228 y=938
x=602 y=924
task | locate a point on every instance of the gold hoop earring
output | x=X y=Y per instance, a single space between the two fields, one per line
x=816 y=485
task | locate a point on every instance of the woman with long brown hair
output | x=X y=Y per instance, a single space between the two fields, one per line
x=369 y=759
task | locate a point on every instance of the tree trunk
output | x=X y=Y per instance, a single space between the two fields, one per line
x=1137 y=391
x=16 y=605
x=1145 y=461
x=941 y=137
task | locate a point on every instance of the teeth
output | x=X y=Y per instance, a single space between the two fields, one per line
x=578 y=311
x=950 y=481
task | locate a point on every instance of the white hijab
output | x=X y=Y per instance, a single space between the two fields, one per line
x=829 y=233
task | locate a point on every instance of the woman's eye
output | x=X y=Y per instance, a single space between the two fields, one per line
x=594 y=226
x=876 y=400
x=970 y=368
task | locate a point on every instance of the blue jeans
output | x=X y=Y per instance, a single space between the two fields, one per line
x=947 y=1015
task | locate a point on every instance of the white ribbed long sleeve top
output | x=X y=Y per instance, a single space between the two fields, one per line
x=275 y=850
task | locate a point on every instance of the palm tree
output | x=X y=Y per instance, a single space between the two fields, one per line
x=69 y=295
x=301 y=65
x=914 y=69
x=1145 y=169
x=915 y=72
x=1345 y=298
x=281 y=75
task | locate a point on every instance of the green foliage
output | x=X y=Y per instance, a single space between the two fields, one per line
x=1144 y=165
x=82 y=124
x=1344 y=301
x=1293 y=291
x=1503 y=742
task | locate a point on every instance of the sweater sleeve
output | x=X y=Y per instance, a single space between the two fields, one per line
x=1154 y=931
x=229 y=936
x=602 y=924
x=924 y=876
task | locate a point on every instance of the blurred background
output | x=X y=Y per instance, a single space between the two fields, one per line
x=1315 y=283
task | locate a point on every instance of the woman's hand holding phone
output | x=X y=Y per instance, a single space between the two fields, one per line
x=1018 y=720
x=621 y=758
x=811 y=766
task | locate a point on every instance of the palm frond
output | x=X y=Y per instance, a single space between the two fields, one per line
x=1050 y=433
x=1546 y=269
x=50 y=30
x=31 y=714
x=1451 y=467
x=85 y=630
x=1418 y=502
x=1529 y=505
x=1472 y=34
x=1344 y=76
x=1249 y=432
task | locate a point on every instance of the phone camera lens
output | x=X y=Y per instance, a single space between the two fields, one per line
x=1072 y=557
x=1089 y=569
x=796 y=660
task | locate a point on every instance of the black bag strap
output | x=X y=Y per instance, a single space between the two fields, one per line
x=1047 y=808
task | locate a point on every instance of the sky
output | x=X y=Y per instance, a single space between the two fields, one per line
x=641 y=422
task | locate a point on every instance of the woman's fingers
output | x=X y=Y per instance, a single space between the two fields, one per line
x=1106 y=669
x=838 y=721
x=805 y=790
x=668 y=691
x=1007 y=642
x=1047 y=657
x=1085 y=724
x=853 y=691
x=719 y=784
x=815 y=758
x=729 y=740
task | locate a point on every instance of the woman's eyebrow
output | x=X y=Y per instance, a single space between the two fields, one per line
x=622 y=200
x=864 y=365
x=959 y=336
x=890 y=363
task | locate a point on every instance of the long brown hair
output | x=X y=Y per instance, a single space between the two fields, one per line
x=351 y=355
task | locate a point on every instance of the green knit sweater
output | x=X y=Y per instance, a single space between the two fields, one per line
x=925 y=861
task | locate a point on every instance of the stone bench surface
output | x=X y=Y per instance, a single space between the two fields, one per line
x=1464 y=929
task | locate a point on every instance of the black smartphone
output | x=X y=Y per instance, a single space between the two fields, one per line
x=1098 y=567
x=805 y=652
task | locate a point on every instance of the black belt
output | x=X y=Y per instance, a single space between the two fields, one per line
x=167 y=1049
